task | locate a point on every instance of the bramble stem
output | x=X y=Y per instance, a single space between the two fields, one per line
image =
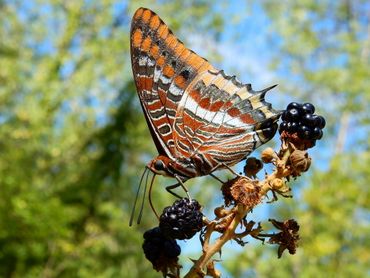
x=239 y=212
x=210 y=250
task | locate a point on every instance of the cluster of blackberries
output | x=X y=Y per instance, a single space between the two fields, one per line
x=160 y=250
x=300 y=118
x=182 y=220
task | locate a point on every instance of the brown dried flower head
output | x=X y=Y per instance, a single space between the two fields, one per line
x=287 y=238
x=242 y=190
x=299 y=143
x=300 y=161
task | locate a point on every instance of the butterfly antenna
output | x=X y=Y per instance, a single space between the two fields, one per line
x=150 y=197
x=136 y=197
x=143 y=200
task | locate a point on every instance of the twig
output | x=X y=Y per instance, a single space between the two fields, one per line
x=238 y=214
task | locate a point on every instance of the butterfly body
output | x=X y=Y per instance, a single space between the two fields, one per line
x=200 y=119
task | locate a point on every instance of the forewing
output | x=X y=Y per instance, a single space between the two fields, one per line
x=221 y=120
x=163 y=68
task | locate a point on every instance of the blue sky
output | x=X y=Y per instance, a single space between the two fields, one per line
x=247 y=54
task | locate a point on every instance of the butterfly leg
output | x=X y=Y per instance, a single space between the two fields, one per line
x=180 y=183
x=217 y=178
x=232 y=171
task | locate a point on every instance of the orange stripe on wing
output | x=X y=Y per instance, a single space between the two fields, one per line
x=185 y=54
x=233 y=112
x=180 y=48
x=168 y=71
x=155 y=51
x=206 y=66
x=246 y=118
x=216 y=106
x=195 y=95
x=147 y=14
x=171 y=41
x=160 y=61
x=146 y=83
x=137 y=38
x=154 y=22
x=204 y=103
x=138 y=13
x=195 y=61
x=146 y=44
x=180 y=82
x=163 y=31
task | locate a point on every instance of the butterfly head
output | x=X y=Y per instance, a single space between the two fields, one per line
x=163 y=165
x=159 y=165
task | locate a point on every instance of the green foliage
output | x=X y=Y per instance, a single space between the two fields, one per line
x=323 y=56
x=73 y=137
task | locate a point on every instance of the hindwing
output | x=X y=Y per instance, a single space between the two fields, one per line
x=220 y=120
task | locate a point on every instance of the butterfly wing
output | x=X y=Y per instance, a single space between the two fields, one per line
x=220 y=120
x=163 y=68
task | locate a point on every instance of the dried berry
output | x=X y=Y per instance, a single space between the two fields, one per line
x=300 y=161
x=252 y=166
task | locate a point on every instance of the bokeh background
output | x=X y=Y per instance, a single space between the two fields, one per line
x=74 y=142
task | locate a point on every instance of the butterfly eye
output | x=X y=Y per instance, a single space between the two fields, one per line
x=159 y=165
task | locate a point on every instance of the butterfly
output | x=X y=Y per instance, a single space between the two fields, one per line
x=201 y=120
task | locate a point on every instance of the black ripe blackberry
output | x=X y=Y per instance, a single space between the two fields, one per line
x=294 y=105
x=161 y=251
x=293 y=114
x=300 y=119
x=322 y=122
x=308 y=108
x=182 y=220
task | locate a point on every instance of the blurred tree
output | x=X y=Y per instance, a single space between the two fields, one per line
x=322 y=56
x=72 y=135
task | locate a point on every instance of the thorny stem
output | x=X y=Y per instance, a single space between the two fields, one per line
x=239 y=212
x=280 y=172
x=210 y=250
